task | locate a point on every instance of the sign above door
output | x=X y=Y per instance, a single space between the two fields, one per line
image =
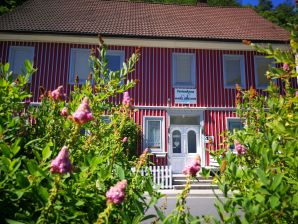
x=186 y=96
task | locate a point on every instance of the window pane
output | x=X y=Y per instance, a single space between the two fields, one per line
x=238 y=125
x=81 y=65
x=192 y=142
x=114 y=63
x=183 y=69
x=154 y=134
x=233 y=72
x=176 y=141
x=17 y=57
x=180 y=120
x=262 y=65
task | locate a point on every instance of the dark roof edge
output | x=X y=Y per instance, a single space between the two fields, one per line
x=145 y=37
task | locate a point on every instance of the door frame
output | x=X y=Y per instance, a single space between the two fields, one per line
x=200 y=142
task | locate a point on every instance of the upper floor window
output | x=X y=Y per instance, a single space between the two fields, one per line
x=262 y=65
x=17 y=57
x=184 y=74
x=115 y=60
x=233 y=70
x=79 y=64
x=153 y=133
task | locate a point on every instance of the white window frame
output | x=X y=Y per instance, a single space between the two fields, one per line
x=71 y=78
x=256 y=58
x=193 y=71
x=145 y=132
x=242 y=70
x=12 y=52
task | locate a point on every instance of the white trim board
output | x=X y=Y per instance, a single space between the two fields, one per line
x=124 y=41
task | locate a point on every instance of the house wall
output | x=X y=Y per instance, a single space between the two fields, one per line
x=154 y=93
x=153 y=70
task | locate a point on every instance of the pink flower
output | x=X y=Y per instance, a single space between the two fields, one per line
x=126 y=99
x=61 y=164
x=83 y=114
x=240 y=149
x=57 y=94
x=64 y=112
x=286 y=67
x=296 y=93
x=124 y=139
x=193 y=167
x=116 y=194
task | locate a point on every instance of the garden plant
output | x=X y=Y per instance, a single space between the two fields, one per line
x=61 y=162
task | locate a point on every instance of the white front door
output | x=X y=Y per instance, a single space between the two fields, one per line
x=185 y=143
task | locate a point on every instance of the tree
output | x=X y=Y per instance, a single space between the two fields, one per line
x=282 y=15
x=223 y=3
x=264 y=5
x=9 y=5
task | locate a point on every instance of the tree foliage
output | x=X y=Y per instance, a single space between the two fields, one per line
x=259 y=182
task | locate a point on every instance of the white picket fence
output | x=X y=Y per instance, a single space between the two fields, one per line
x=162 y=176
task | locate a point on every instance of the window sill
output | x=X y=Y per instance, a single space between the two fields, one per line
x=159 y=154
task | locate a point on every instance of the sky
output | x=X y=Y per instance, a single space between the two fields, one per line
x=255 y=2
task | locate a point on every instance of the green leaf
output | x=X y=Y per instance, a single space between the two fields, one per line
x=10 y=221
x=22 y=181
x=43 y=193
x=274 y=201
x=6 y=68
x=159 y=213
x=151 y=216
x=46 y=152
x=5 y=150
x=120 y=172
x=276 y=181
x=16 y=148
x=261 y=174
x=79 y=203
x=32 y=167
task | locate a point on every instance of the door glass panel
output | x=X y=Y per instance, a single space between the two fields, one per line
x=192 y=142
x=176 y=141
x=184 y=120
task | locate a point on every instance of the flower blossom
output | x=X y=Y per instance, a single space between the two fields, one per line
x=83 y=114
x=57 y=94
x=286 y=67
x=193 y=167
x=126 y=99
x=61 y=164
x=124 y=139
x=296 y=93
x=116 y=194
x=64 y=112
x=240 y=149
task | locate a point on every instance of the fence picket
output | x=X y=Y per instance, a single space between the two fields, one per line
x=162 y=176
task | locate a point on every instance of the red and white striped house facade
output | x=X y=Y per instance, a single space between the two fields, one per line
x=182 y=125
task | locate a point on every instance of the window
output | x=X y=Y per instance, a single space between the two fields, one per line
x=153 y=129
x=261 y=66
x=17 y=57
x=183 y=70
x=233 y=70
x=234 y=124
x=115 y=59
x=79 y=65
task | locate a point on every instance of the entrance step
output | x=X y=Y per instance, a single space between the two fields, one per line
x=179 y=182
